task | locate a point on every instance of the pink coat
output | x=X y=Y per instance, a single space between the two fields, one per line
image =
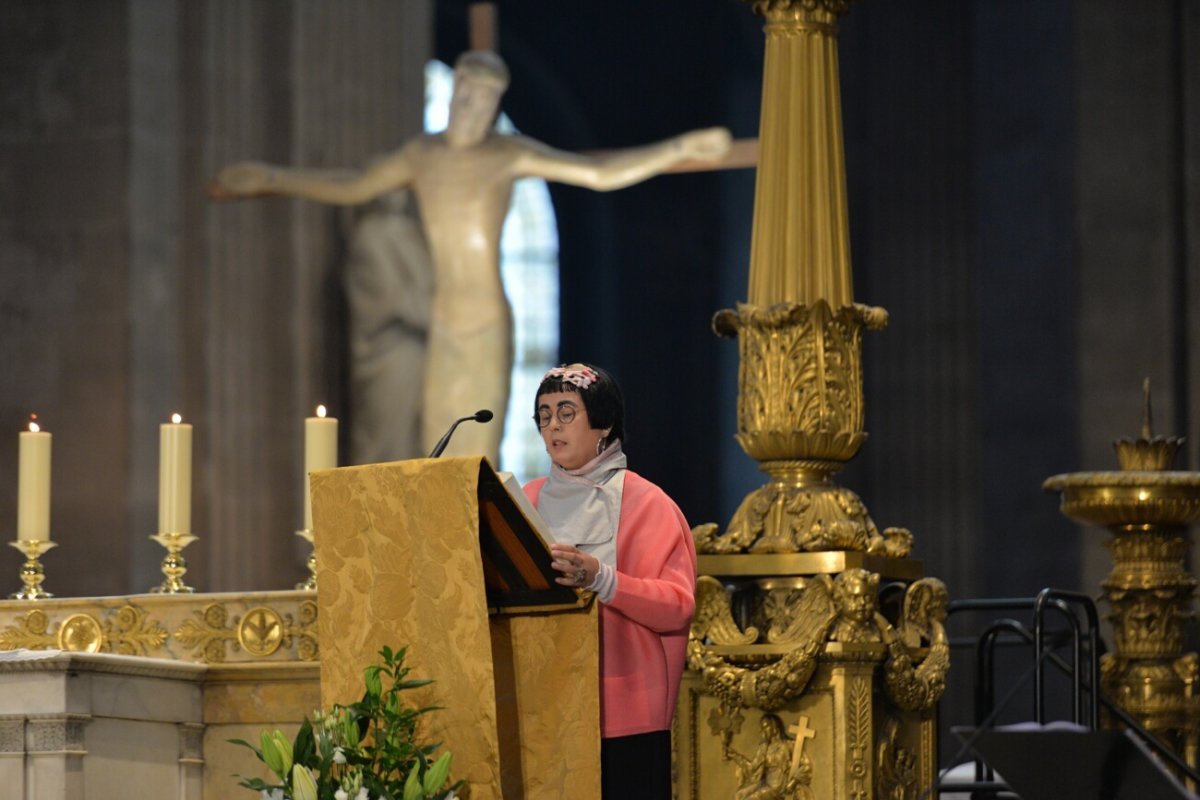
x=644 y=630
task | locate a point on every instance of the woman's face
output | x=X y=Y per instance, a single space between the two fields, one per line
x=570 y=444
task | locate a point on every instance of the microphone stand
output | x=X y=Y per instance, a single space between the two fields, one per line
x=482 y=415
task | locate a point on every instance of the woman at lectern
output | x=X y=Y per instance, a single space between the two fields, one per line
x=620 y=536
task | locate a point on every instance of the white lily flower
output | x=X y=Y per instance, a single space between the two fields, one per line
x=340 y=794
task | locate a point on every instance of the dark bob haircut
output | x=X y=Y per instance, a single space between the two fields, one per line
x=602 y=399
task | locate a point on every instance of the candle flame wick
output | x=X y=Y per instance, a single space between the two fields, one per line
x=321 y=411
x=176 y=418
x=34 y=427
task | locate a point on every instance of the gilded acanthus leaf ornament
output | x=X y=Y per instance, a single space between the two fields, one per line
x=30 y=632
x=260 y=632
x=801 y=511
x=206 y=632
x=765 y=7
x=128 y=630
x=131 y=632
x=800 y=379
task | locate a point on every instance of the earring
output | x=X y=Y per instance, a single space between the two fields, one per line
x=601 y=445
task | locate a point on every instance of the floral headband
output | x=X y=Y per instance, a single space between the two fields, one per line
x=581 y=375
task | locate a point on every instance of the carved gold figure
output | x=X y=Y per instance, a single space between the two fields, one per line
x=1146 y=507
x=777 y=770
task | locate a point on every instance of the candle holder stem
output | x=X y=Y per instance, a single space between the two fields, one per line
x=32 y=573
x=173 y=566
x=311 y=584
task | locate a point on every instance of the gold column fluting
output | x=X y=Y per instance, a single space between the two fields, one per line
x=1146 y=507
x=800 y=242
x=789 y=625
x=800 y=398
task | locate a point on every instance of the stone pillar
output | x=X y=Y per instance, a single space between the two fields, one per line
x=1138 y=201
x=312 y=84
x=129 y=295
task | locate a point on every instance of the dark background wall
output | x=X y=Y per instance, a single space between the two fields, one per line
x=1024 y=196
x=982 y=140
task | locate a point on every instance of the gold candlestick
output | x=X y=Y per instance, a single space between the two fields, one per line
x=174 y=565
x=1147 y=508
x=311 y=584
x=32 y=573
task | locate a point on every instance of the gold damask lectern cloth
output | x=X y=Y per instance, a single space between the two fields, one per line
x=399 y=564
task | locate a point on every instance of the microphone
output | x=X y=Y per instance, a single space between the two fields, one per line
x=482 y=415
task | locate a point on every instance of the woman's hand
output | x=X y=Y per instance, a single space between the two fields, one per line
x=577 y=567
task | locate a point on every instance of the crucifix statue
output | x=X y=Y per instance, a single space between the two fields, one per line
x=462 y=179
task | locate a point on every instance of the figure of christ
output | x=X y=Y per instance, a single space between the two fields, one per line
x=462 y=179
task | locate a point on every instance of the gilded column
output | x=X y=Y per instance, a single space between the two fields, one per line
x=800 y=244
x=790 y=634
x=800 y=394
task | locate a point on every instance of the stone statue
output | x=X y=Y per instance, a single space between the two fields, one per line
x=463 y=179
x=387 y=278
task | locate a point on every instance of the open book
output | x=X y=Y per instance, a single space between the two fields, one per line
x=514 y=545
x=513 y=487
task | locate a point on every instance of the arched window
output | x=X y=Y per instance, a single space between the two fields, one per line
x=529 y=269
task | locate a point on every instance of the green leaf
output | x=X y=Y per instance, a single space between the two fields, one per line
x=244 y=743
x=304 y=751
x=258 y=784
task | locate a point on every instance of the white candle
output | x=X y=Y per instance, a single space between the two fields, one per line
x=175 y=476
x=320 y=452
x=33 y=485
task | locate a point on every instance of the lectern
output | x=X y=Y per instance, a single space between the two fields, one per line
x=434 y=555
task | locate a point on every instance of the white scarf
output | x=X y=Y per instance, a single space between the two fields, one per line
x=583 y=506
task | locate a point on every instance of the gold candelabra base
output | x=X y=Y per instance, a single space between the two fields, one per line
x=311 y=584
x=32 y=573
x=173 y=566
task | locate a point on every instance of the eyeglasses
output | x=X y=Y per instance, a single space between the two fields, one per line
x=565 y=414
